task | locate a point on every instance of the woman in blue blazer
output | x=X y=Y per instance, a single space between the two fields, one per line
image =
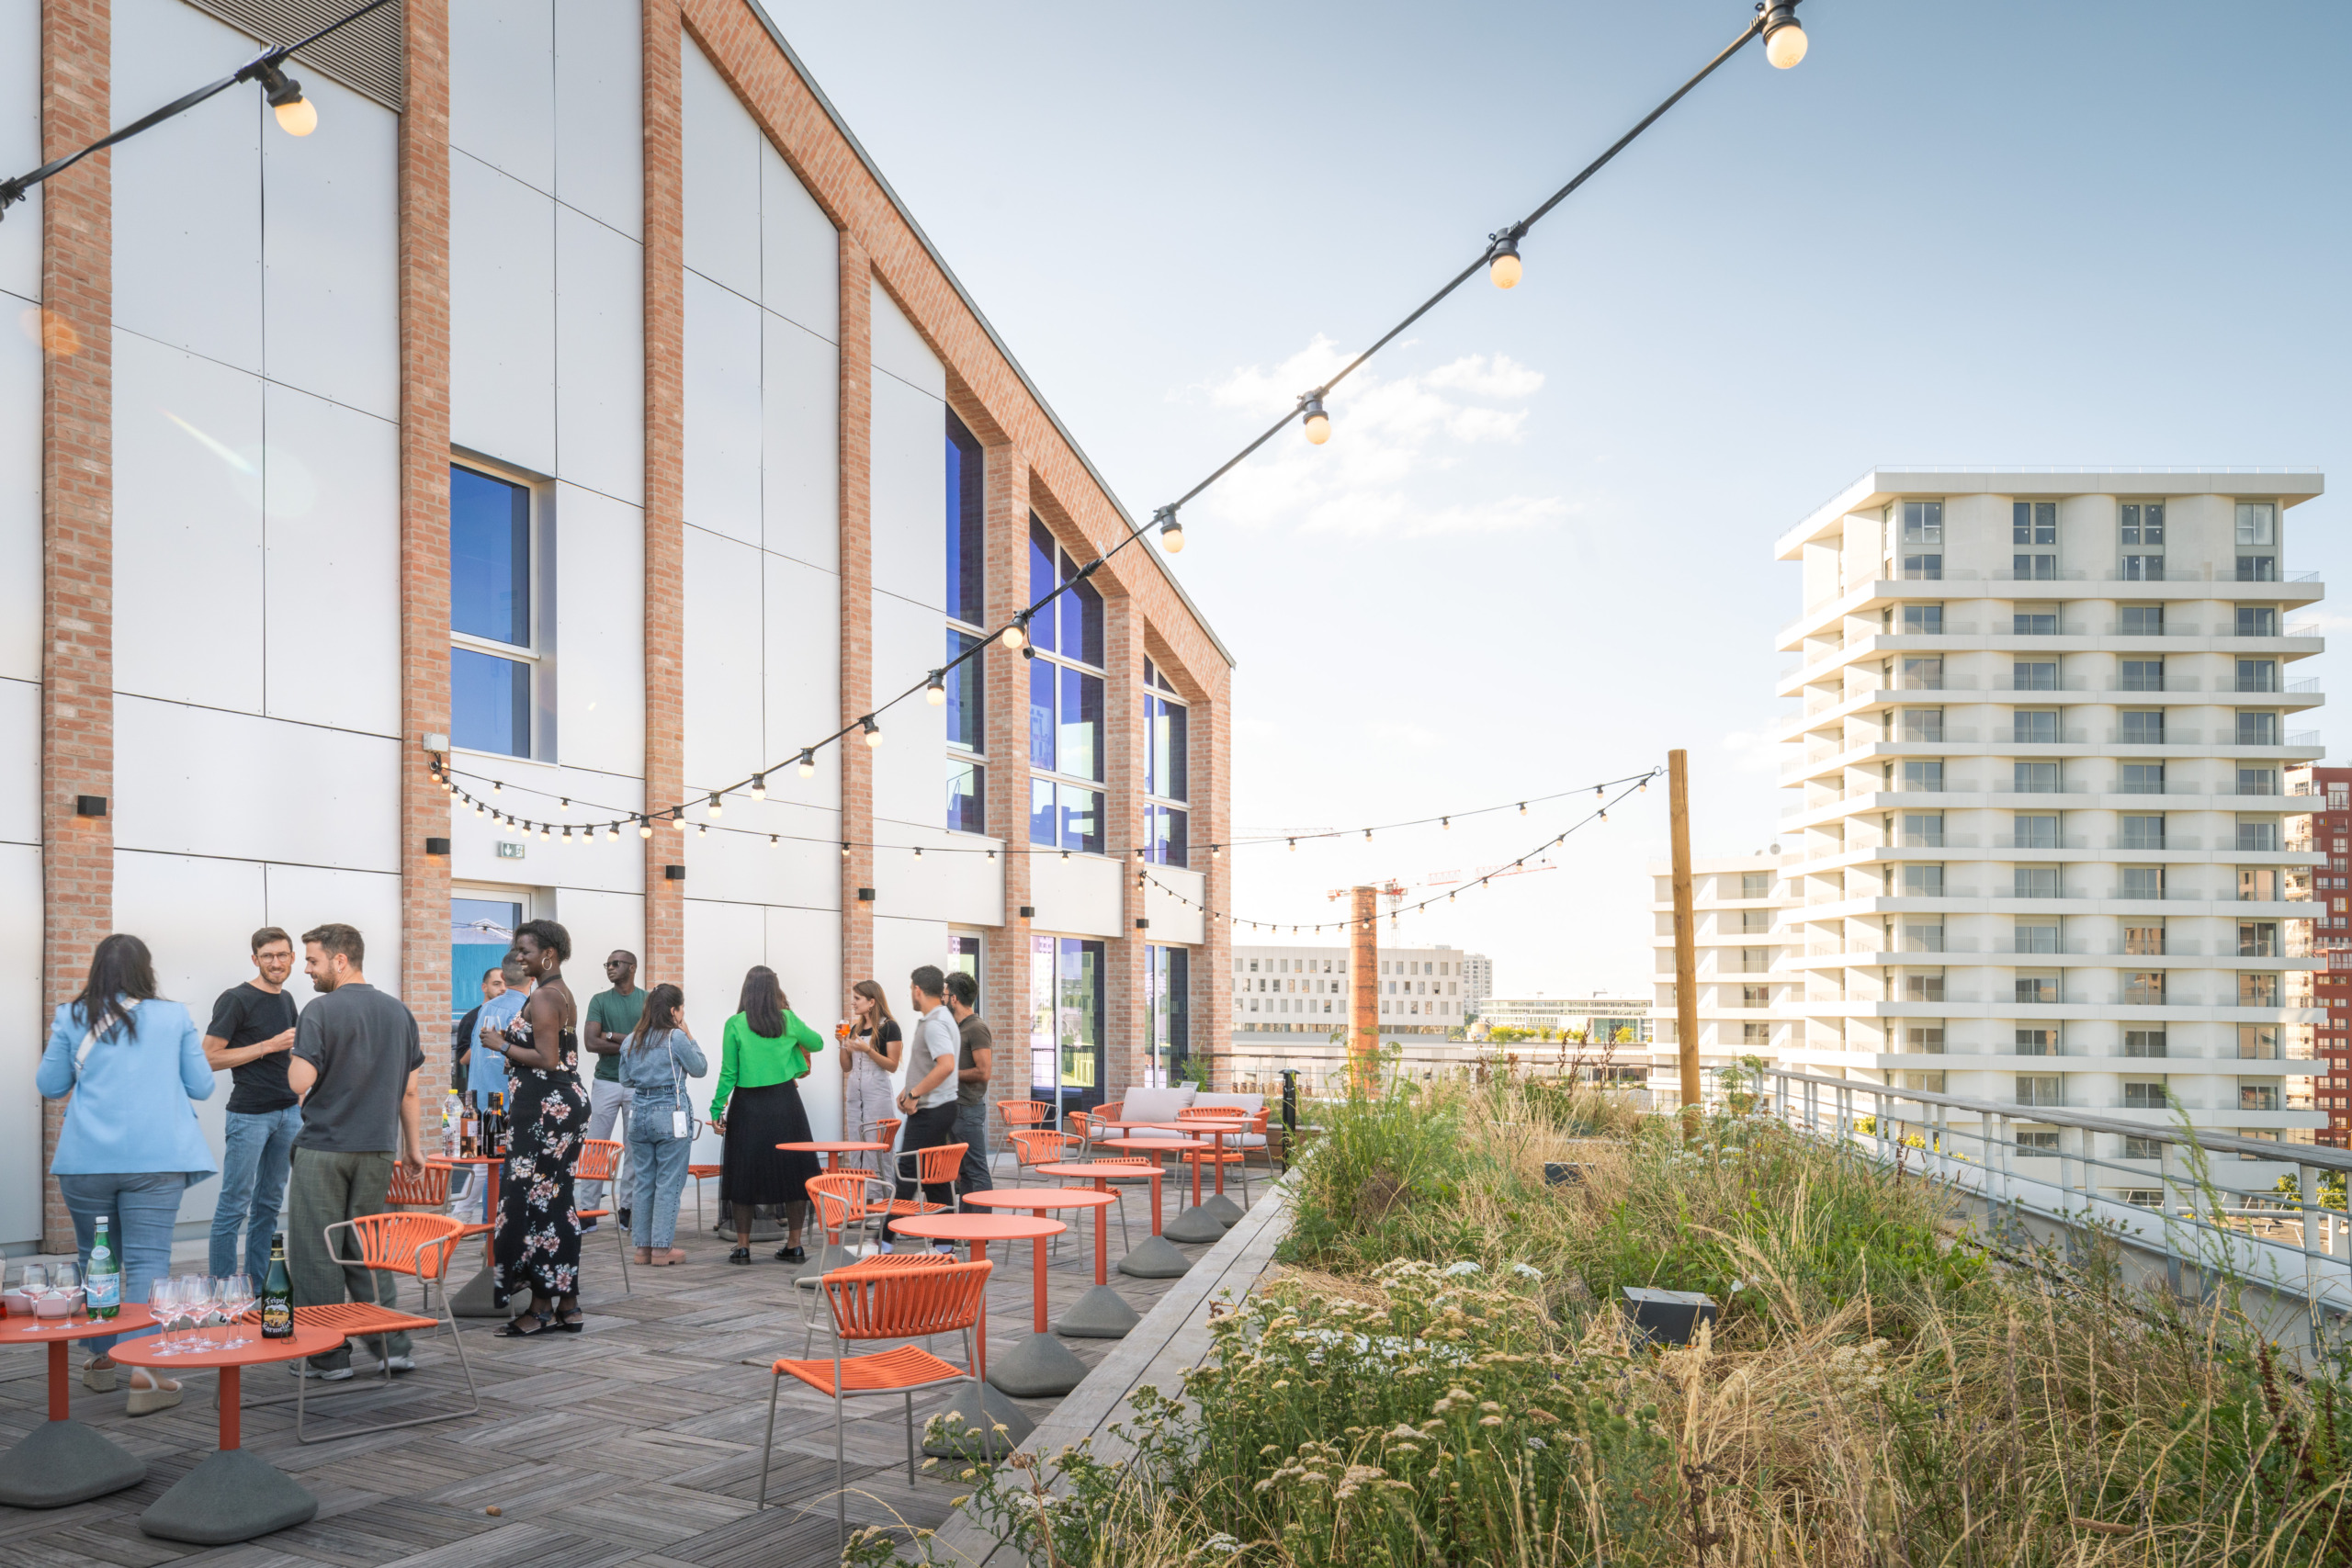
x=131 y=1146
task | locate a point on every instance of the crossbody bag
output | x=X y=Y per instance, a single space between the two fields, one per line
x=82 y=1051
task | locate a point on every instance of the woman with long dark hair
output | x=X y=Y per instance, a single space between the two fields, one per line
x=656 y=1059
x=763 y=1057
x=870 y=1052
x=537 y=1242
x=132 y=1061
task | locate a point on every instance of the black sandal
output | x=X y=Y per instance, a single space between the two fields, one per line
x=573 y=1322
x=510 y=1330
x=741 y=1255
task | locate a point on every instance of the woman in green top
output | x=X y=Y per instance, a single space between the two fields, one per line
x=757 y=1106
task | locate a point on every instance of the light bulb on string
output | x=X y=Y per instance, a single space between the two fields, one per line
x=1446 y=823
x=545 y=832
x=497 y=786
x=1317 y=422
x=1172 y=531
x=936 y=694
x=702 y=830
x=873 y=731
x=845 y=849
x=1522 y=809
x=1293 y=846
x=1502 y=262
x=759 y=786
x=296 y=115
x=713 y=808
x=774 y=841
x=1784 y=39
x=1596 y=792
x=479 y=809
x=991 y=854
x=1016 y=635
x=645 y=827
x=1604 y=815
x=678 y=818
x=918 y=851
x=613 y=833
x=1065 y=855
x=807 y=762
x=567 y=835
x=564 y=805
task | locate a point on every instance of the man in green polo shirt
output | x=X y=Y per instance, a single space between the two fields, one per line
x=611 y=1016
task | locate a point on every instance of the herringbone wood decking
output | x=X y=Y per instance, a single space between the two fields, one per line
x=636 y=1443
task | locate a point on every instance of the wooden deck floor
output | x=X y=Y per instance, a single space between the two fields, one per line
x=637 y=1442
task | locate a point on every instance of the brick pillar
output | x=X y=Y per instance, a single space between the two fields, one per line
x=1127 y=1022
x=1210 y=1003
x=857 y=604
x=1004 y=956
x=1364 y=990
x=77 y=528
x=664 y=959
x=425 y=978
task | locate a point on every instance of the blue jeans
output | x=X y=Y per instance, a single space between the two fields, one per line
x=254 y=1163
x=658 y=1173
x=141 y=1206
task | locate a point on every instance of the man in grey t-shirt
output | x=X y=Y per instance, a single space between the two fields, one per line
x=975 y=1057
x=928 y=1101
x=355 y=1056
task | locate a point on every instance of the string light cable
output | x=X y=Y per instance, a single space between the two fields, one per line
x=297 y=116
x=1600 y=814
x=1775 y=22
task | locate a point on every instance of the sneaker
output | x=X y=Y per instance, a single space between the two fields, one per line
x=587 y=1226
x=944 y=1251
x=399 y=1363
x=334 y=1374
x=624 y=1219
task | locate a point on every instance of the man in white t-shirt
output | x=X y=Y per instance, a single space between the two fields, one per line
x=928 y=1103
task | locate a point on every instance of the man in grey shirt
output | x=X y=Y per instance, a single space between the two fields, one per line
x=975 y=1057
x=355 y=1062
x=928 y=1101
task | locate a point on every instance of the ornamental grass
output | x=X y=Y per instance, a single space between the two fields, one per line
x=1437 y=1374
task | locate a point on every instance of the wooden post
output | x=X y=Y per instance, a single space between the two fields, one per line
x=1686 y=936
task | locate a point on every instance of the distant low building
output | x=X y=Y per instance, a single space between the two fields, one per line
x=1291 y=1008
x=1600 y=1017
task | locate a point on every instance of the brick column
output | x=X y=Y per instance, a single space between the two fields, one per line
x=1127 y=1022
x=425 y=518
x=664 y=958
x=77 y=528
x=1210 y=1002
x=857 y=604
x=1004 y=956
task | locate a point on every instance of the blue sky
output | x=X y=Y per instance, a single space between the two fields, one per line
x=1536 y=551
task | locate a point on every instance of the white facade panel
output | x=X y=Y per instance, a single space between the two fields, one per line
x=330 y=251
x=723 y=941
x=803 y=869
x=502 y=86
x=599 y=922
x=800 y=443
x=20 y=552
x=900 y=351
x=186 y=780
x=910 y=447
x=600 y=111
x=332 y=476
x=1179 y=924
x=723 y=415
x=303 y=896
x=534 y=790
x=722 y=660
x=188 y=203
x=1079 y=895
x=964 y=888
x=600 y=599
x=721 y=162
x=901 y=945
x=803 y=679
x=187 y=527
x=502 y=316
x=20 y=1048
x=600 y=357
x=800 y=252
x=20 y=773
x=910 y=766
x=805 y=950
x=20 y=148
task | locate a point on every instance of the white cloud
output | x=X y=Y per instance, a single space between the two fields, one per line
x=1389 y=438
x=1753 y=750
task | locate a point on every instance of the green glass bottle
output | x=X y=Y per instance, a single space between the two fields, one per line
x=277 y=1294
x=102 y=1281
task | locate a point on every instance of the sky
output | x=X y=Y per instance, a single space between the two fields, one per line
x=1536 y=553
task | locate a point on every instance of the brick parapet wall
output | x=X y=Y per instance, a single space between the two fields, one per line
x=664 y=959
x=77 y=527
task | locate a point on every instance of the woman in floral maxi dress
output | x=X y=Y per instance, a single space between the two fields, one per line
x=538 y=1243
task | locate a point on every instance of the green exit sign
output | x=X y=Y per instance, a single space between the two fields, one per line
x=510 y=851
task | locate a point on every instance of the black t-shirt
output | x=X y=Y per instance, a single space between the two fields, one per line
x=247 y=1015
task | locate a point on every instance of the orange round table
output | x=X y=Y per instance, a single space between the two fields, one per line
x=977 y=1231
x=62 y=1461
x=1102 y=1312
x=1085 y=1171
x=834 y=1150
x=230 y=1496
x=1153 y=1257
x=1205 y=1127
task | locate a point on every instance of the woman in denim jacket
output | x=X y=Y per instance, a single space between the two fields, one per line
x=656 y=1060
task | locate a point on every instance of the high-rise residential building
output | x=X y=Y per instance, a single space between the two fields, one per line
x=2329 y=834
x=1745 y=985
x=1478 y=977
x=2043 y=848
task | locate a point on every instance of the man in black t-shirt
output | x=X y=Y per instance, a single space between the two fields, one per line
x=250 y=1032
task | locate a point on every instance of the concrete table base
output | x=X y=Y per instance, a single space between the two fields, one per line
x=476 y=1298
x=1225 y=1210
x=1101 y=1314
x=1153 y=1258
x=1195 y=1225
x=1038 y=1368
x=60 y=1462
x=977 y=1441
x=232 y=1495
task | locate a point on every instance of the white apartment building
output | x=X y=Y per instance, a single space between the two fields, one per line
x=1290 y=1008
x=1477 y=978
x=2040 y=853
x=1737 y=904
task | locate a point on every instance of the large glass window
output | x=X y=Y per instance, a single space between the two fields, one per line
x=2258 y=523
x=965 y=528
x=965 y=534
x=2143 y=521
x=1066 y=704
x=493 y=654
x=480 y=931
x=2033 y=523
x=1168 y=984
x=1066 y=1020
x=1166 y=772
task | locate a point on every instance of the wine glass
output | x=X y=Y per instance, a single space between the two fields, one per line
x=196 y=1300
x=64 y=1282
x=161 y=1295
x=35 y=1285
x=233 y=1297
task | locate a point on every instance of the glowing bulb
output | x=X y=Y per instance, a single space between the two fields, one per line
x=545 y=833
x=844 y=852
x=774 y=841
x=918 y=851
x=297 y=116
x=703 y=832
x=1016 y=635
x=497 y=787
x=1171 y=534
x=1784 y=39
x=613 y=833
x=873 y=731
x=1504 y=266
x=714 y=808
x=1065 y=855
x=936 y=693
x=564 y=805
x=759 y=786
x=644 y=827
x=566 y=836
x=807 y=763
x=678 y=818
x=1318 y=424
x=1215 y=850
x=1522 y=809
x=1293 y=846
x=479 y=809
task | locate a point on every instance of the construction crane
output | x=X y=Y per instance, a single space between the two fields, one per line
x=1394 y=891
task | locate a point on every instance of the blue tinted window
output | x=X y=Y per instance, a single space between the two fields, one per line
x=966 y=806
x=489 y=703
x=964 y=524
x=1082 y=617
x=490 y=557
x=1040 y=714
x=1081 y=726
x=963 y=682
x=1041 y=582
x=1166 y=721
x=1043 y=824
x=1167 y=835
x=1081 y=819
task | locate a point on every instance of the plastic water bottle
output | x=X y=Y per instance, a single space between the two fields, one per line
x=452 y=1111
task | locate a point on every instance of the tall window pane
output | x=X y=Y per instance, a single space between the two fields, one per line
x=1044 y=823
x=966 y=808
x=964 y=524
x=1081 y=726
x=490 y=557
x=1081 y=819
x=1081 y=614
x=489 y=703
x=965 y=727
x=1167 y=721
x=1041 y=582
x=1040 y=714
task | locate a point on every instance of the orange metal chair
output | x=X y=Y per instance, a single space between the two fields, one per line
x=885 y=1131
x=1042 y=1147
x=1020 y=1115
x=897 y=1303
x=600 y=1160
x=845 y=1199
x=430 y=1190
x=1139 y=1164
x=419 y=1246
x=1219 y=1156
x=699 y=1173
x=935 y=1166
x=1083 y=1123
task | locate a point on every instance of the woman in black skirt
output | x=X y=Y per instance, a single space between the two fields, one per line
x=537 y=1242
x=763 y=1056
